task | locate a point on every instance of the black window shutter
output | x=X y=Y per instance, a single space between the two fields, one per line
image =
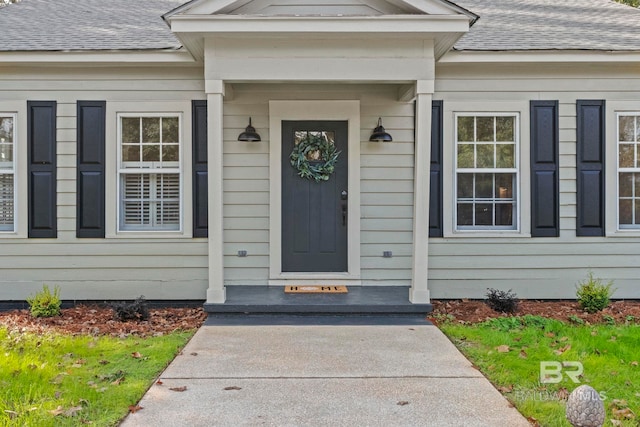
x=41 y=142
x=590 y=167
x=90 y=177
x=200 y=186
x=435 y=180
x=545 y=184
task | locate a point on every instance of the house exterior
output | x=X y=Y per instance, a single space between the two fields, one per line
x=514 y=162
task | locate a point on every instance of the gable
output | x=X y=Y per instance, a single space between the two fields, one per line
x=315 y=8
x=319 y=8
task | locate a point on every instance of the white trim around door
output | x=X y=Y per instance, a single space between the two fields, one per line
x=313 y=110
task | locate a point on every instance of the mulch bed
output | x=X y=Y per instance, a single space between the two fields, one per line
x=96 y=320
x=474 y=311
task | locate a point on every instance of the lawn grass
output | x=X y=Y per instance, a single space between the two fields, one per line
x=609 y=354
x=63 y=380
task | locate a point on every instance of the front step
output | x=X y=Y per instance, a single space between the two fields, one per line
x=359 y=300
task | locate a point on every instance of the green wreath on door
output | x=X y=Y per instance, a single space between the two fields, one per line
x=314 y=157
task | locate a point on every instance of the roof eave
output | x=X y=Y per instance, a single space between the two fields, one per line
x=540 y=56
x=99 y=57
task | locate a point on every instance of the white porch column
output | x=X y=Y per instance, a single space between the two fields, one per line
x=419 y=293
x=216 y=294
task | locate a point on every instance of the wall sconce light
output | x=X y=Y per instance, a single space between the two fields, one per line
x=249 y=134
x=379 y=134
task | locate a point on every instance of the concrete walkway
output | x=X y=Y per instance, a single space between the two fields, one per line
x=323 y=375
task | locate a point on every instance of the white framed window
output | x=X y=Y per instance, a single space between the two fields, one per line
x=628 y=166
x=7 y=172
x=149 y=172
x=486 y=171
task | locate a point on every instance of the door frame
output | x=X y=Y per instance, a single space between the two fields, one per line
x=314 y=110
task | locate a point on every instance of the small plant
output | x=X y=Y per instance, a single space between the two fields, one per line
x=575 y=319
x=630 y=319
x=442 y=318
x=44 y=303
x=609 y=320
x=593 y=295
x=134 y=310
x=502 y=301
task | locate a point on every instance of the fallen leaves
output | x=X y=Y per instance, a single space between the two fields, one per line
x=503 y=349
x=179 y=389
x=94 y=321
x=506 y=389
x=562 y=394
x=561 y=350
x=621 y=411
x=136 y=355
x=233 y=387
x=402 y=403
x=69 y=412
x=135 y=408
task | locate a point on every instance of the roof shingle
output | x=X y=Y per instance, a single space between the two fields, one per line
x=551 y=25
x=61 y=25
x=504 y=25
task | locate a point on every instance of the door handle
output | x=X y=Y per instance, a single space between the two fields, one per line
x=344 y=214
x=344 y=195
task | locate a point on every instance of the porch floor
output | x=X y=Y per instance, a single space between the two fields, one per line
x=359 y=300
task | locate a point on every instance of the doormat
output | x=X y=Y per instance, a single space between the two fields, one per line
x=315 y=289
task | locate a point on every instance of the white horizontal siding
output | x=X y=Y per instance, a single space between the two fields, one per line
x=386 y=180
x=99 y=268
x=536 y=267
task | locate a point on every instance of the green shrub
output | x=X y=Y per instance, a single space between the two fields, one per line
x=134 y=310
x=45 y=303
x=502 y=301
x=593 y=295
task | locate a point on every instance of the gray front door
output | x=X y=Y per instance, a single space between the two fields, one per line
x=314 y=214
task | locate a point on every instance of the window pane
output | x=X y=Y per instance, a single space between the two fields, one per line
x=637 y=129
x=504 y=214
x=505 y=156
x=465 y=129
x=465 y=185
x=626 y=156
x=150 y=153
x=6 y=156
x=484 y=214
x=504 y=185
x=130 y=130
x=485 y=128
x=636 y=203
x=485 y=155
x=626 y=209
x=6 y=202
x=626 y=128
x=626 y=184
x=465 y=214
x=170 y=130
x=151 y=129
x=169 y=194
x=484 y=185
x=636 y=177
x=130 y=153
x=6 y=129
x=485 y=198
x=170 y=153
x=465 y=156
x=505 y=128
